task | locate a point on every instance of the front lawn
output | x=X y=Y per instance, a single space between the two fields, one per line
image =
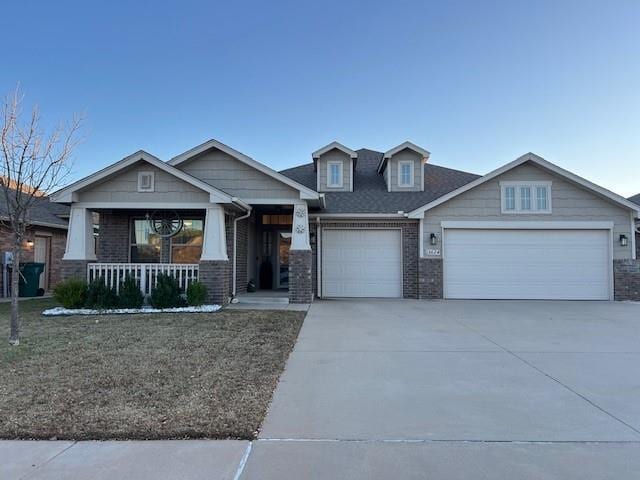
x=141 y=376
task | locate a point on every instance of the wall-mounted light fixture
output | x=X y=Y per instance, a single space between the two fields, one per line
x=29 y=243
x=624 y=241
x=433 y=238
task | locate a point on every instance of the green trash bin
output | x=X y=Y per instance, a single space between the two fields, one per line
x=30 y=278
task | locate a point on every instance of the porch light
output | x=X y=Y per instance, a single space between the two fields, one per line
x=29 y=243
x=433 y=239
x=624 y=241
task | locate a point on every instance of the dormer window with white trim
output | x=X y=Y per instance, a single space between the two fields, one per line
x=405 y=173
x=334 y=174
x=526 y=197
x=146 y=181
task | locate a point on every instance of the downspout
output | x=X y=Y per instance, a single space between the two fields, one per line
x=235 y=250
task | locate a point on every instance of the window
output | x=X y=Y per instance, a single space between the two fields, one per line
x=523 y=197
x=405 y=173
x=145 y=244
x=146 y=181
x=510 y=198
x=334 y=174
x=186 y=246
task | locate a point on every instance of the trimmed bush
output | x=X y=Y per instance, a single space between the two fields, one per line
x=196 y=294
x=130 y=294
x=100 y=296
x=166 y=293
x=71 y=293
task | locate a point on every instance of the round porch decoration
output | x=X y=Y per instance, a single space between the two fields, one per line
x=300 y=212
x=165 y=223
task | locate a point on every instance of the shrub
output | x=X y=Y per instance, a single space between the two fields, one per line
x=71 y=293
x=196 y=294
x=130 y=294
x=100 y=296
x=166 y=293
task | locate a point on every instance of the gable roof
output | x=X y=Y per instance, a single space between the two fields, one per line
x=538 y=160
x=307 y=193
x=43 y=213
x=66 y=194
x=338 y=146
x=370 y=194
x=404 y=145
x=635 y=199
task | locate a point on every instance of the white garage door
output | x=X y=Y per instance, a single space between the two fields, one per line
x=361 y=263
x=527 y=264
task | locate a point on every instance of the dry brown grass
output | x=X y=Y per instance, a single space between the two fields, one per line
x=142 y=376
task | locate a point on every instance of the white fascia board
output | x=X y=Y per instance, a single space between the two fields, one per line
x=529 y=157
x=177 y=160
x=356 y=216
x=337 y=146
x=68 y=194
x=527 y=225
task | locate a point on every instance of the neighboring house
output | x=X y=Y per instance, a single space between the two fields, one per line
x=353 y=224
x=636 y=199
x=45 y=240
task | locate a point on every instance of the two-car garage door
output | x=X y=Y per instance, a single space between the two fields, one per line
x=527 y=264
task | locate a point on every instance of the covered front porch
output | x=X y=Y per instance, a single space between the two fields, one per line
x=230 y=250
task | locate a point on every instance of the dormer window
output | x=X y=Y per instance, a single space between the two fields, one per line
x=405 y=173
x=334 y=174
x=146 y=181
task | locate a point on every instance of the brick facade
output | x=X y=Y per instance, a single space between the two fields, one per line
x=409 y=248
x=113 y=238
x=626 y=279
x=300 y=276
x=430 y=282
x=74 y=269
x=215 y=276
x=242 y=234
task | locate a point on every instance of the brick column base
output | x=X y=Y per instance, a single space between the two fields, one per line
x=300 y=284
x=430 y=278
x=214 y=274
x=626 y=279
x=74 y=269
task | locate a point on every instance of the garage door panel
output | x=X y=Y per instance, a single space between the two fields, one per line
x=361 y=263
x=527 y=264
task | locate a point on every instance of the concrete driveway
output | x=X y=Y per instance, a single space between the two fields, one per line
x=468 y=389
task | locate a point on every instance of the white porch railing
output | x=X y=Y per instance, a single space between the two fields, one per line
x=113 y=274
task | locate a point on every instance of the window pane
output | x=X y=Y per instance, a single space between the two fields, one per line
x=145 y=244
x=186 y=246
x=405 y=174
x=510 y=198
x=525 y=198
x=541 y=198
x=335 y=174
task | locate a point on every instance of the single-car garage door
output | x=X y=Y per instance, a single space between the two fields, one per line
x=527 y=264
x=361 y=263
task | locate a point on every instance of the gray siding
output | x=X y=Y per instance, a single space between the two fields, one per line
x=330 y=156
x=392 y=168
x=569 y=203
x=236 y=178
x=123 y=187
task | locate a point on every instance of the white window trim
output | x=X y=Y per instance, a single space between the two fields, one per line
x=341 y=170
x=518 y=198
x=401 y=163
x=153 y=181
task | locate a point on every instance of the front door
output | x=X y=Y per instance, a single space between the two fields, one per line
x=284 y=243
x=41 y=255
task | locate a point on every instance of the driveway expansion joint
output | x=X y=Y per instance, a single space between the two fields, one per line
x=49 y=460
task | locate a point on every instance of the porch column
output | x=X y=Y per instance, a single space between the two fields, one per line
x=80 y=248
x=300 y=257
x=214 y=268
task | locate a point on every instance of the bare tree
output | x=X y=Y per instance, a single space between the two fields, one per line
x=33 y=163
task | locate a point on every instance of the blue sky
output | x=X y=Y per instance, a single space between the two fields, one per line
x=476 y=83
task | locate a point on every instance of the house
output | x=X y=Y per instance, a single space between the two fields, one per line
x=45 y=241
x=636 y=199
x=353 y=224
